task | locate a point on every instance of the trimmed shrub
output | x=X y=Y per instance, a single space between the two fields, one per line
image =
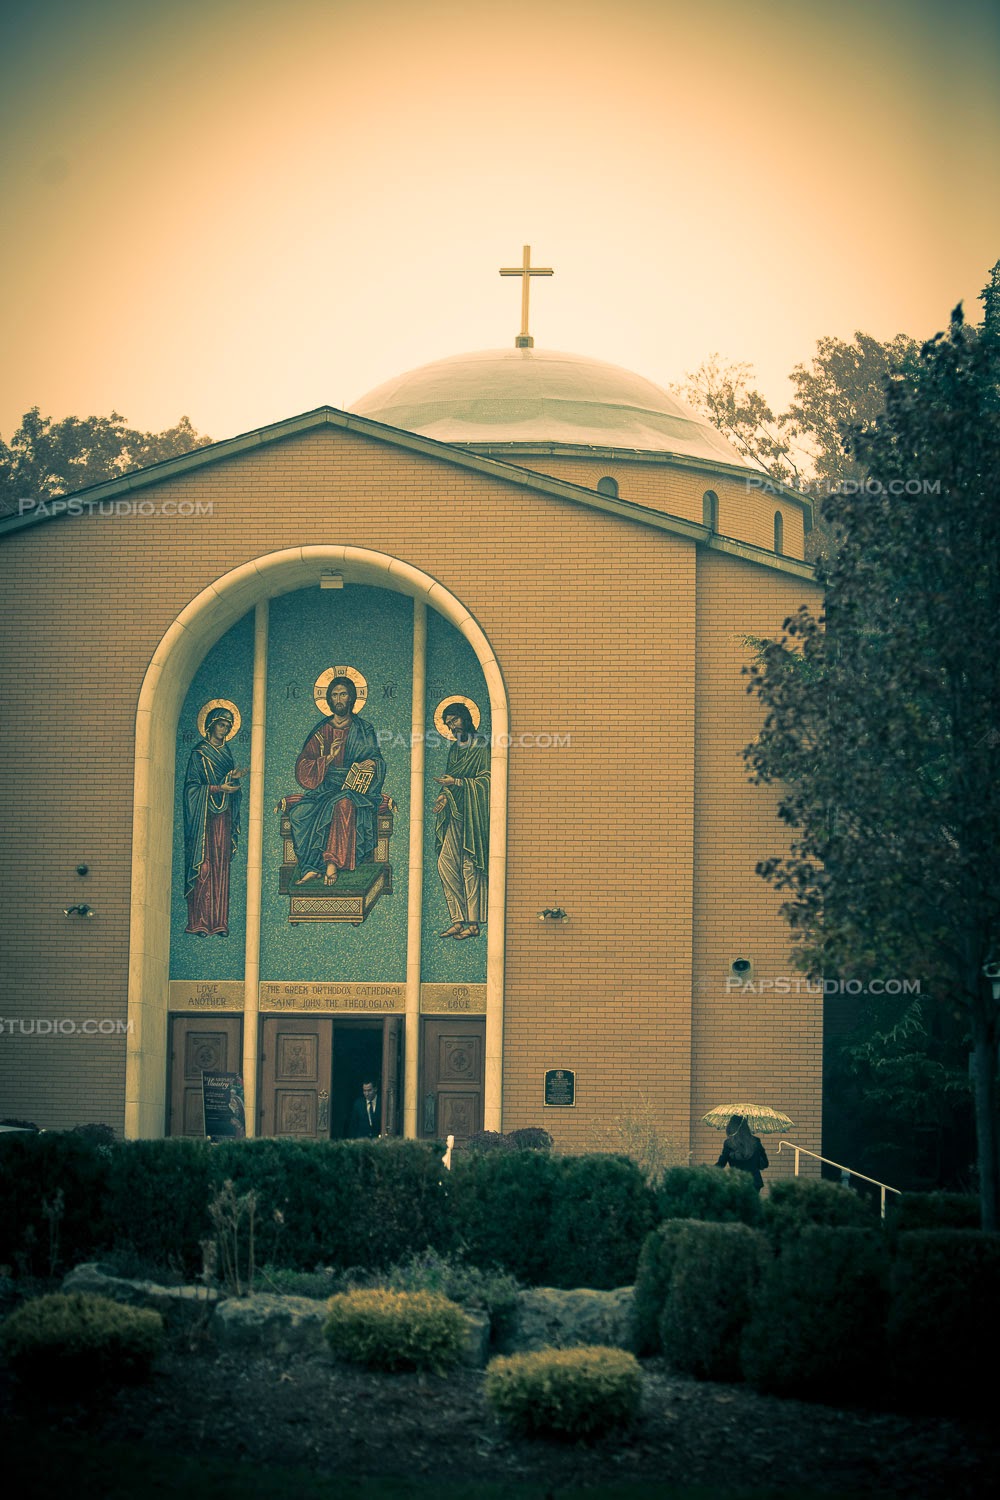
x=944 y=1318
x=502 y=1206
x=708 y=1193
x=491 y=1291
x=716 y=1270
x=932 y=1211
x=794 y=1203
x=566 y=1393
x=603 y=1212
x=529 y=1138
x=80 y=1339
x=817 y=1328
x=53 y=1200
x=158 y=1200
x=339 y=1203
x=652 y=1282
x=388 y=1330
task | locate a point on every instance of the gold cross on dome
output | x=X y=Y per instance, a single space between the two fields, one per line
x=525 y=270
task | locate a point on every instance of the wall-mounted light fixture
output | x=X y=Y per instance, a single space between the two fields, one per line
x=83 y=910
x=553 y=914
x=331 y=580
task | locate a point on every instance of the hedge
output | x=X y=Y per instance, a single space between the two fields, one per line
x=944 y=1318
x=708 y=1193
x=817 y=1326
x=714 y=1279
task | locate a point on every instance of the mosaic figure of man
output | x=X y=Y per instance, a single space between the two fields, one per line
x=462 y=824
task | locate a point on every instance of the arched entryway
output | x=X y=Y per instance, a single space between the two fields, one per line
x=248 y=590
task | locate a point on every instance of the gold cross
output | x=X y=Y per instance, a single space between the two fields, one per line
x=525 y=270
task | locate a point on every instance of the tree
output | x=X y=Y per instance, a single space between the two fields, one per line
x=46 y=458
x=809 y=446
x=885 y=741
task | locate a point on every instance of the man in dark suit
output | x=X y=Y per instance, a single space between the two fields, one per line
x=366 y=1113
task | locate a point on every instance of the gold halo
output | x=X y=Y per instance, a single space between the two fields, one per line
x=325 y=678
x=206 y=709
x=470 y=704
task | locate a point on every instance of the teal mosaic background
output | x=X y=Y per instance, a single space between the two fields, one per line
x=371 y=630
x=311 y=630
x=452 y=672
x=226 y=672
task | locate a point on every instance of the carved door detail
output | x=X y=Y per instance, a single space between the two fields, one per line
x=392 y=1076
x=199 y=1044
x=452 y=1078
x=296 y=1067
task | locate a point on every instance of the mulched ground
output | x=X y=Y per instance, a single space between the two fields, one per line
x=340 y=1421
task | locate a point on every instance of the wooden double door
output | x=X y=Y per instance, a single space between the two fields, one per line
x=312 y=1069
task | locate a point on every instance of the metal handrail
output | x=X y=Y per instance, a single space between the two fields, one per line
x=804 y=1150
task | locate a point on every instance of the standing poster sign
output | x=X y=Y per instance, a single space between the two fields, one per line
x=225 y=1109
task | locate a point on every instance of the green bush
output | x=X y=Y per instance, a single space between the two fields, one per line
x=944 y=1318
x=158 y=1200
x=502 y=1205
x=817 y=1328
x=652 y=1282
x=388 y=1330
x=707 y=1193
x=602 y=1213
x=81 y=1339
x=794 y=1203
x=565 y=1221
x=490 y=1291
x=339 y=1203
x=568 y=1393
x=716 y=1270
x=53 y=1200
x=932 y=1211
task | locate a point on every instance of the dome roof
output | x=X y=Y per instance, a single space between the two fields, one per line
x=538 y=396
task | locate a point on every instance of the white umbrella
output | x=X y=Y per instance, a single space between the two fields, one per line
x=761 y=1118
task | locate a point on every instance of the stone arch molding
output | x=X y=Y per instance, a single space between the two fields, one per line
x=195 y=630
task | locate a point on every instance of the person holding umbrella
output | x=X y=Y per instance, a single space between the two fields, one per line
x=743 y=1151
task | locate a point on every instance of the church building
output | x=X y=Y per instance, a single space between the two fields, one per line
x=402 y=745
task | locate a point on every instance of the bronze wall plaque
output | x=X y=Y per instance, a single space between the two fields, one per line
x=560 y=1088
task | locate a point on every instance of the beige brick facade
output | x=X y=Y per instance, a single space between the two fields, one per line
x=610 y=628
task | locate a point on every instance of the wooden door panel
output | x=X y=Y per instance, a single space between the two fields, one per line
x=392 y=1076
x=296 y=1069
x=452 y=1077
x=199 y=1044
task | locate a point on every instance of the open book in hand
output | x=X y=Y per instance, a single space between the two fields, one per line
x=358 y=779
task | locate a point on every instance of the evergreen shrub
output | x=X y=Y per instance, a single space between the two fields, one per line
x=53 y=1200
x=339 y=1203
x=652 y=1282
x=80 y=1339
x=566 y=1393
x=932 y=1211
x=502 y=1205
x=491 y=1291
x=715 y=1274
x=388 y=1330
x=602 y=1213
x=707 y=1193
x=794 y=1203
x=158 y=1199
x=817 y=1326
x=944 y=1318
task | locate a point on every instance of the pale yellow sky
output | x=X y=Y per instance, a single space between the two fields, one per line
x=240 y=211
